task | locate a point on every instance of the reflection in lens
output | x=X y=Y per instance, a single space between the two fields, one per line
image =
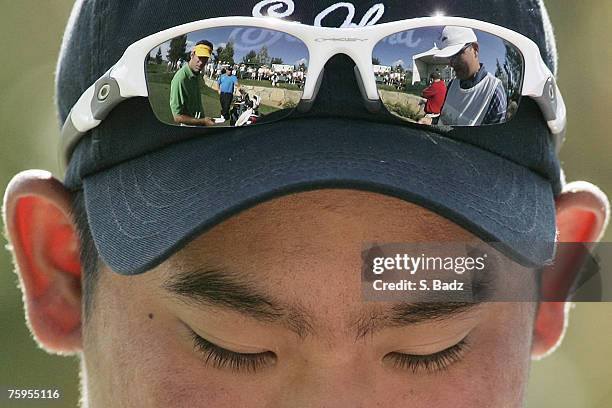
x=226 y=76
x=449 y=75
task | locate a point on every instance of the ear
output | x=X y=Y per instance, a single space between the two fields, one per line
x=476 y=48
x=44 y=242
x=583 y=212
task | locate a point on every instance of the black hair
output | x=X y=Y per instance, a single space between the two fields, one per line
x=88 y=253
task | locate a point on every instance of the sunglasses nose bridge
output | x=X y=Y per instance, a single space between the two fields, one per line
x=361 y=54
x=339 y=62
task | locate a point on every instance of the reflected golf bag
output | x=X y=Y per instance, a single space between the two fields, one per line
x=245 y=109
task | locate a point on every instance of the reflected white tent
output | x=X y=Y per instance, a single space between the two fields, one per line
x=426 y=63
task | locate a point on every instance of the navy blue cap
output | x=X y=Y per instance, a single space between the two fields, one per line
x=150 y=188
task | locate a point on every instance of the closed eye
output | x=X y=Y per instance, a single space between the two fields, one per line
x=221 y=358
x=428 y=363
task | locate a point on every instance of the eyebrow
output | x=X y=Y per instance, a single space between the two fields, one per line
x=408 y=314
x=219 y=288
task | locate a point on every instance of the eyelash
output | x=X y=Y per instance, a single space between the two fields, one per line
x=429 y=363
x=221 y=358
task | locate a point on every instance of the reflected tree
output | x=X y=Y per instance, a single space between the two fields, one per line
x=178 y=49
x=500 y=74
x=513 y=68
x=226 y=54
x=250 y=58
x=262 y=56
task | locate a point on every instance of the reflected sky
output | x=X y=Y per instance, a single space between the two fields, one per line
x=291 y=50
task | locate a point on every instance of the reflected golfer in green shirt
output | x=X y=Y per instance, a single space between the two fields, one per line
x=185 y=96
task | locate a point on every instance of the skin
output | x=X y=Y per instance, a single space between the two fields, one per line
x=196 y=64
x=303 y=251
x=466 y=63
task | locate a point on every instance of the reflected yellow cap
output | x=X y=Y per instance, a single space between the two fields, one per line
x=202 y=50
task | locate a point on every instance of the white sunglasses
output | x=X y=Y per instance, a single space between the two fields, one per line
x=261 y=69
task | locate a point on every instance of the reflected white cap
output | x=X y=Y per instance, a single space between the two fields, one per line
x=453 y=39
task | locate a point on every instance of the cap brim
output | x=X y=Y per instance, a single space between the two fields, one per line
x=449 y=51
x=143 y=210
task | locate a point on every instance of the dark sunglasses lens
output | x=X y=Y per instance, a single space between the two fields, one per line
x=449 y=75
x=226 y=76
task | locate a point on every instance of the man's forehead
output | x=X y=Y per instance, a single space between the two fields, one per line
x=335 y=209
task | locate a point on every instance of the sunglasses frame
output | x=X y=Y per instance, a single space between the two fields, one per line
x=461 y=51
x=127 y=78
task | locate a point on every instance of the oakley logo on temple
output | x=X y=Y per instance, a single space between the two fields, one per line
x=285 y=8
